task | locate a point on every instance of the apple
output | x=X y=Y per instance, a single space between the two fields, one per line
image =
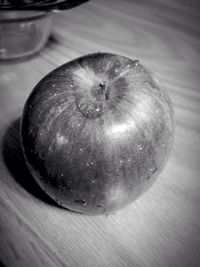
x=96 y=132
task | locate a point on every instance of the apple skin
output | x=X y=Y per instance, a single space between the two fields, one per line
x=96 y=132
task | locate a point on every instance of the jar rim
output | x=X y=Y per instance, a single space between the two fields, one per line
x=19 y=16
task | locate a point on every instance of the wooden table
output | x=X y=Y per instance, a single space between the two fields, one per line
x=162 y=228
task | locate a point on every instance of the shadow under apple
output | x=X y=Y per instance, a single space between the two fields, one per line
x=15 y=163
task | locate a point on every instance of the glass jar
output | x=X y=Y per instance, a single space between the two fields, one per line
x=23 y=33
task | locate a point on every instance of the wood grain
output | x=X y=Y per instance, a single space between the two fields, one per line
x=160 y=229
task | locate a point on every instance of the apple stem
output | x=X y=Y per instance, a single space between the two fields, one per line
x=102 y=87
x=101 y=91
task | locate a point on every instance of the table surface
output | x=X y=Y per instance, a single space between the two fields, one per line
x=161 y=228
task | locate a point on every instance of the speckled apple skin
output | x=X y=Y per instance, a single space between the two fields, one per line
x=96 y=132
